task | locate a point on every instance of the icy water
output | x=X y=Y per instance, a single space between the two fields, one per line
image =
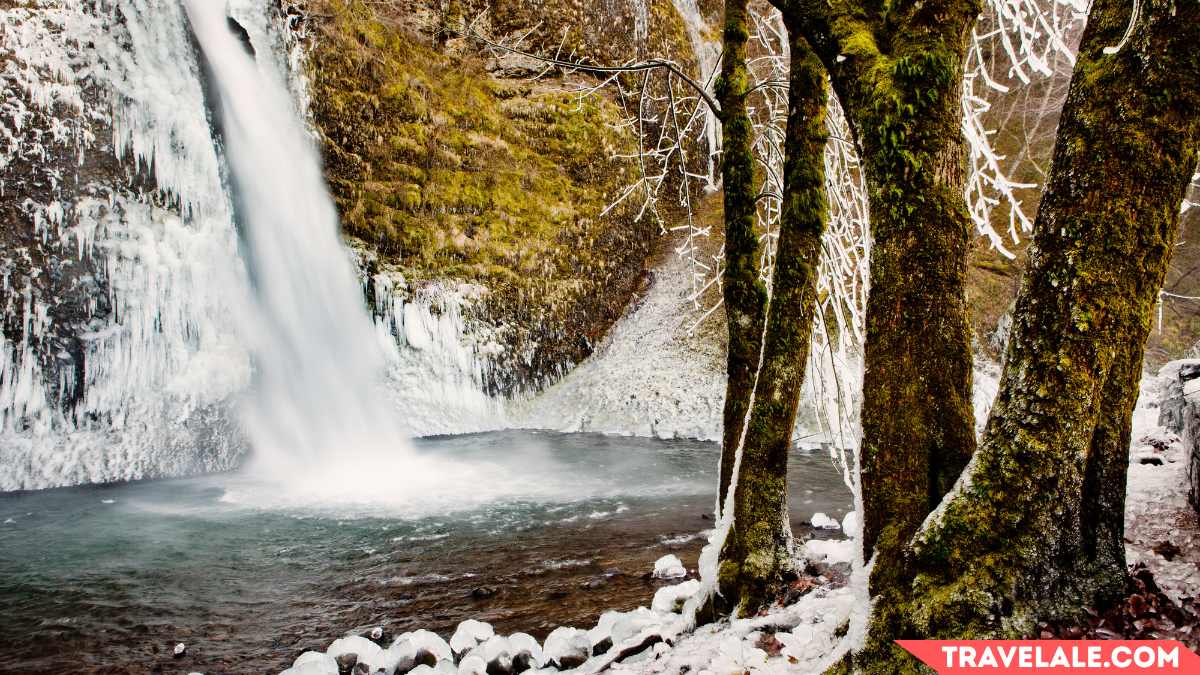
x=108 y=578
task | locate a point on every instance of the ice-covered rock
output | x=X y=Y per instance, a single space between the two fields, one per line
x=442 y=668
x=313 y=663
x=671 y=598
x=824 y=522
x=497 y=654
x=468 y=634
x=367 y=652
x=472 y=664
x=527 y=653
x=669 y=567
x=850 y=524
x=567 y=647
x=829 y=550
x=629 y=625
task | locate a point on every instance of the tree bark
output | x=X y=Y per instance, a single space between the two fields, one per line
x=898 y=73
x=758 y=550
x=1033 y=532
x=745 y=296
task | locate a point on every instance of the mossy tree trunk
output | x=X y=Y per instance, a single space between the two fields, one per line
x=758 y=549
x=1034 y=533
x=898 y=72
x=745 y=296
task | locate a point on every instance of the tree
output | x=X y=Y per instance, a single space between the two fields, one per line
x=1033 y=531
x=757 y=551
x=898 y=72
x=745 y=295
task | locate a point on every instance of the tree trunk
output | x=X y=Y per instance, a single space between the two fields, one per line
x=745 y=297
x=758 y=549
x=899 y=78
x=1014 y=546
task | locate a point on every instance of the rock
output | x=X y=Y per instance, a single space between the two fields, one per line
x=646 y=643
x=594 y=583
x=602 y=646
x=514 y=66
x=671 y=598
x=424 y=657
x=823 y=522
x=353 y=649
x=669 y=567
x=526 y=651
x=346 y=662
x=361 y=669
x=313 y=663
x=376 y=634
x=1167 y=550
x=483 y=592
x=180 y=650
x=567 y=647
x=469 y=634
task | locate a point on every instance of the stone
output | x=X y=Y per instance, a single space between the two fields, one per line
x=345 y=663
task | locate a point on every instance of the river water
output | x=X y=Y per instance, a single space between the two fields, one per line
x=107 y=579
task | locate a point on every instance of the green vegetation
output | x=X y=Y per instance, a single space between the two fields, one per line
x=448 y=172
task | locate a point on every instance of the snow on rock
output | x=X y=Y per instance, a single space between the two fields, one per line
x=669 y=567
x=473 y=664
x=524 y=643
x=367 y=652
x=829 y=550
x=850 y=524
x=313 y=663
x=824 y=522
x=469 y=634
x=671 y=598
x=567 y=647
x=442 y=668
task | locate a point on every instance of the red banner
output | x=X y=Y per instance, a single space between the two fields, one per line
x=948 y=657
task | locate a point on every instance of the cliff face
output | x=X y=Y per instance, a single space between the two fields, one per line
x=445 y=169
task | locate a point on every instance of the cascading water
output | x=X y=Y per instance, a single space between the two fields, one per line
x=708 y=57
x=128 y=329
x=318 y=363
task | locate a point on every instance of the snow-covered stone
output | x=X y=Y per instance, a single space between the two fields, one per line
x=524 y=643
x=671 y=598
x=567 y=647
x=313 y=663
x=468 y=634
x=829 y=550
x=669 y=567
x=850 y=524
x=824 y=522
x=368 y=652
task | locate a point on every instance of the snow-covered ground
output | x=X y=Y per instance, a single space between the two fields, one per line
x=1161 y=529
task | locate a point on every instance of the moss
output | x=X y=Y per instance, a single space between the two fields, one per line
x=446 y=171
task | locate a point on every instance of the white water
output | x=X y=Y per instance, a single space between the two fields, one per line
x=708 y=57
x=319 y=415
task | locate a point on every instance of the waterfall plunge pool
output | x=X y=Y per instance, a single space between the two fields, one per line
x=107 y=579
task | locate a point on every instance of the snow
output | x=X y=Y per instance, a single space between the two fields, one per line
x=671 y=598
x=368 y=652
x=829 y=550
x=669 y=567
x=850 y=524
x=313 y=663
x=566 y=643
x=824 y=522
x=468 y=634
x=1156 y=508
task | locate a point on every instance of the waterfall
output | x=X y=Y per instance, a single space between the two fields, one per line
x=318 y=366
x=708 y=57
x=146 y=335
